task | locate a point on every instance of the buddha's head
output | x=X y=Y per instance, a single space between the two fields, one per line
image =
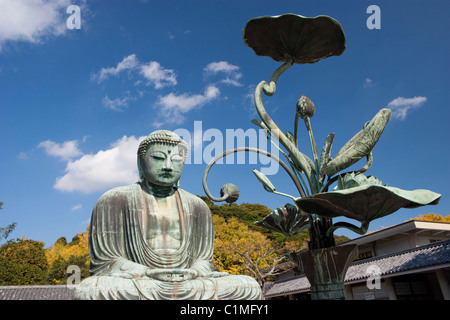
x=161 y=157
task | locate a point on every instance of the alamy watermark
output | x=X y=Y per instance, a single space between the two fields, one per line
x=374 y=280
x=374 y=21
x=74 y=20
x=209 y=143
x=75 y=275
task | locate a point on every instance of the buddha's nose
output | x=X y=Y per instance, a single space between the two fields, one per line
x=167 y=164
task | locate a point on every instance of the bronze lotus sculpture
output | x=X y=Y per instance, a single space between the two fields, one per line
x=294 y=39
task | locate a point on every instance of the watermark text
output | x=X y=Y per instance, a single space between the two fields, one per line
x=209 y=143
x=74 y=20
x=374 y=279
x=374 y=21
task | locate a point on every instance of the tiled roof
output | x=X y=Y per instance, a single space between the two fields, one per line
x=416 y=258
x=46 y=292
x=412 y=259
x=287 y=286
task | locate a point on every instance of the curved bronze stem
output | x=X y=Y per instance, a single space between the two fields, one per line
x=359 y=230
x=225 y=153
x=296 y=130
x=312 y=141
x=269 y=89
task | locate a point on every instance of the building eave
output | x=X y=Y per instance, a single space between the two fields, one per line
x=425 y=258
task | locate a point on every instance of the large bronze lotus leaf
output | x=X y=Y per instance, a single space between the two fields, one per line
x=294 y=37
x=287 y=220
x=367 y=202
x=361 y=144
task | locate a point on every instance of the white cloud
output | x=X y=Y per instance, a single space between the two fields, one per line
x=186 y=102
x=221 y=66
x=232 y=81
x=171 y=107
x=32 y=20
x=76 y=207
x=128 y=63
x=248 y=100
x=197 y=140
x=157 y=75
x=175 y=106
x=368 y=83
x=157 y=124
x=65 y=151
x=103 y=170
x=117 y=104
x=401 y=106
x=22 y=155
x=231 y=72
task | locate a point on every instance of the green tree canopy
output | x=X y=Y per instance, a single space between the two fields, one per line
x=4 y=232
x=22 y=262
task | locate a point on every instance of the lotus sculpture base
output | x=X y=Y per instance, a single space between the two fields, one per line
x=325 y=270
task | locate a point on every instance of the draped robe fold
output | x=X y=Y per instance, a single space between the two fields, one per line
x=118 y=236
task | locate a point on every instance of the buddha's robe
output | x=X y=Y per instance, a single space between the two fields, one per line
x=118 y=242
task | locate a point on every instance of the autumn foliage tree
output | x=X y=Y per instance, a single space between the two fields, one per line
x=63 y=254
x=240 y=250
x=248 y=214
x=433 y=217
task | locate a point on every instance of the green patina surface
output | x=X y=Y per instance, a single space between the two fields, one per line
x=154 y=241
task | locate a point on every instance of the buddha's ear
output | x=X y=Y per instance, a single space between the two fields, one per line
x=178 y=183
x=141 y=175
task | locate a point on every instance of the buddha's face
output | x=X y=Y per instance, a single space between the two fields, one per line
x=162 y=164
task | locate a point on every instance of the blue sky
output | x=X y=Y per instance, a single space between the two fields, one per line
x=74 y=103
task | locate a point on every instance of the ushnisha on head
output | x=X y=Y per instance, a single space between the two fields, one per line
x=161 y=157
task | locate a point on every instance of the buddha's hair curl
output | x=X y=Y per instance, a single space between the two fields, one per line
x=162 y=137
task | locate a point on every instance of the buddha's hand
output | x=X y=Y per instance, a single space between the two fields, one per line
x=172 y=275
x=128 y=270
x=212 y=274
x=218 y=274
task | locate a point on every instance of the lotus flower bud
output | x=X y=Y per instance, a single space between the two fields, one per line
x=264 y=180
x=351 y=180
x=305 y=107
x=231 y=191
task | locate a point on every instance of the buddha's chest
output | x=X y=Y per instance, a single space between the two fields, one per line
x=163 y=225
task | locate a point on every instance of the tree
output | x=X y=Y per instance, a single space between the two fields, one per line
x=433 y=217
x=4 y=232
x=241 y=247
x=63 y=254
x=249 y=213
x=22 y=262
x=58 y=271
x=239 y=250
